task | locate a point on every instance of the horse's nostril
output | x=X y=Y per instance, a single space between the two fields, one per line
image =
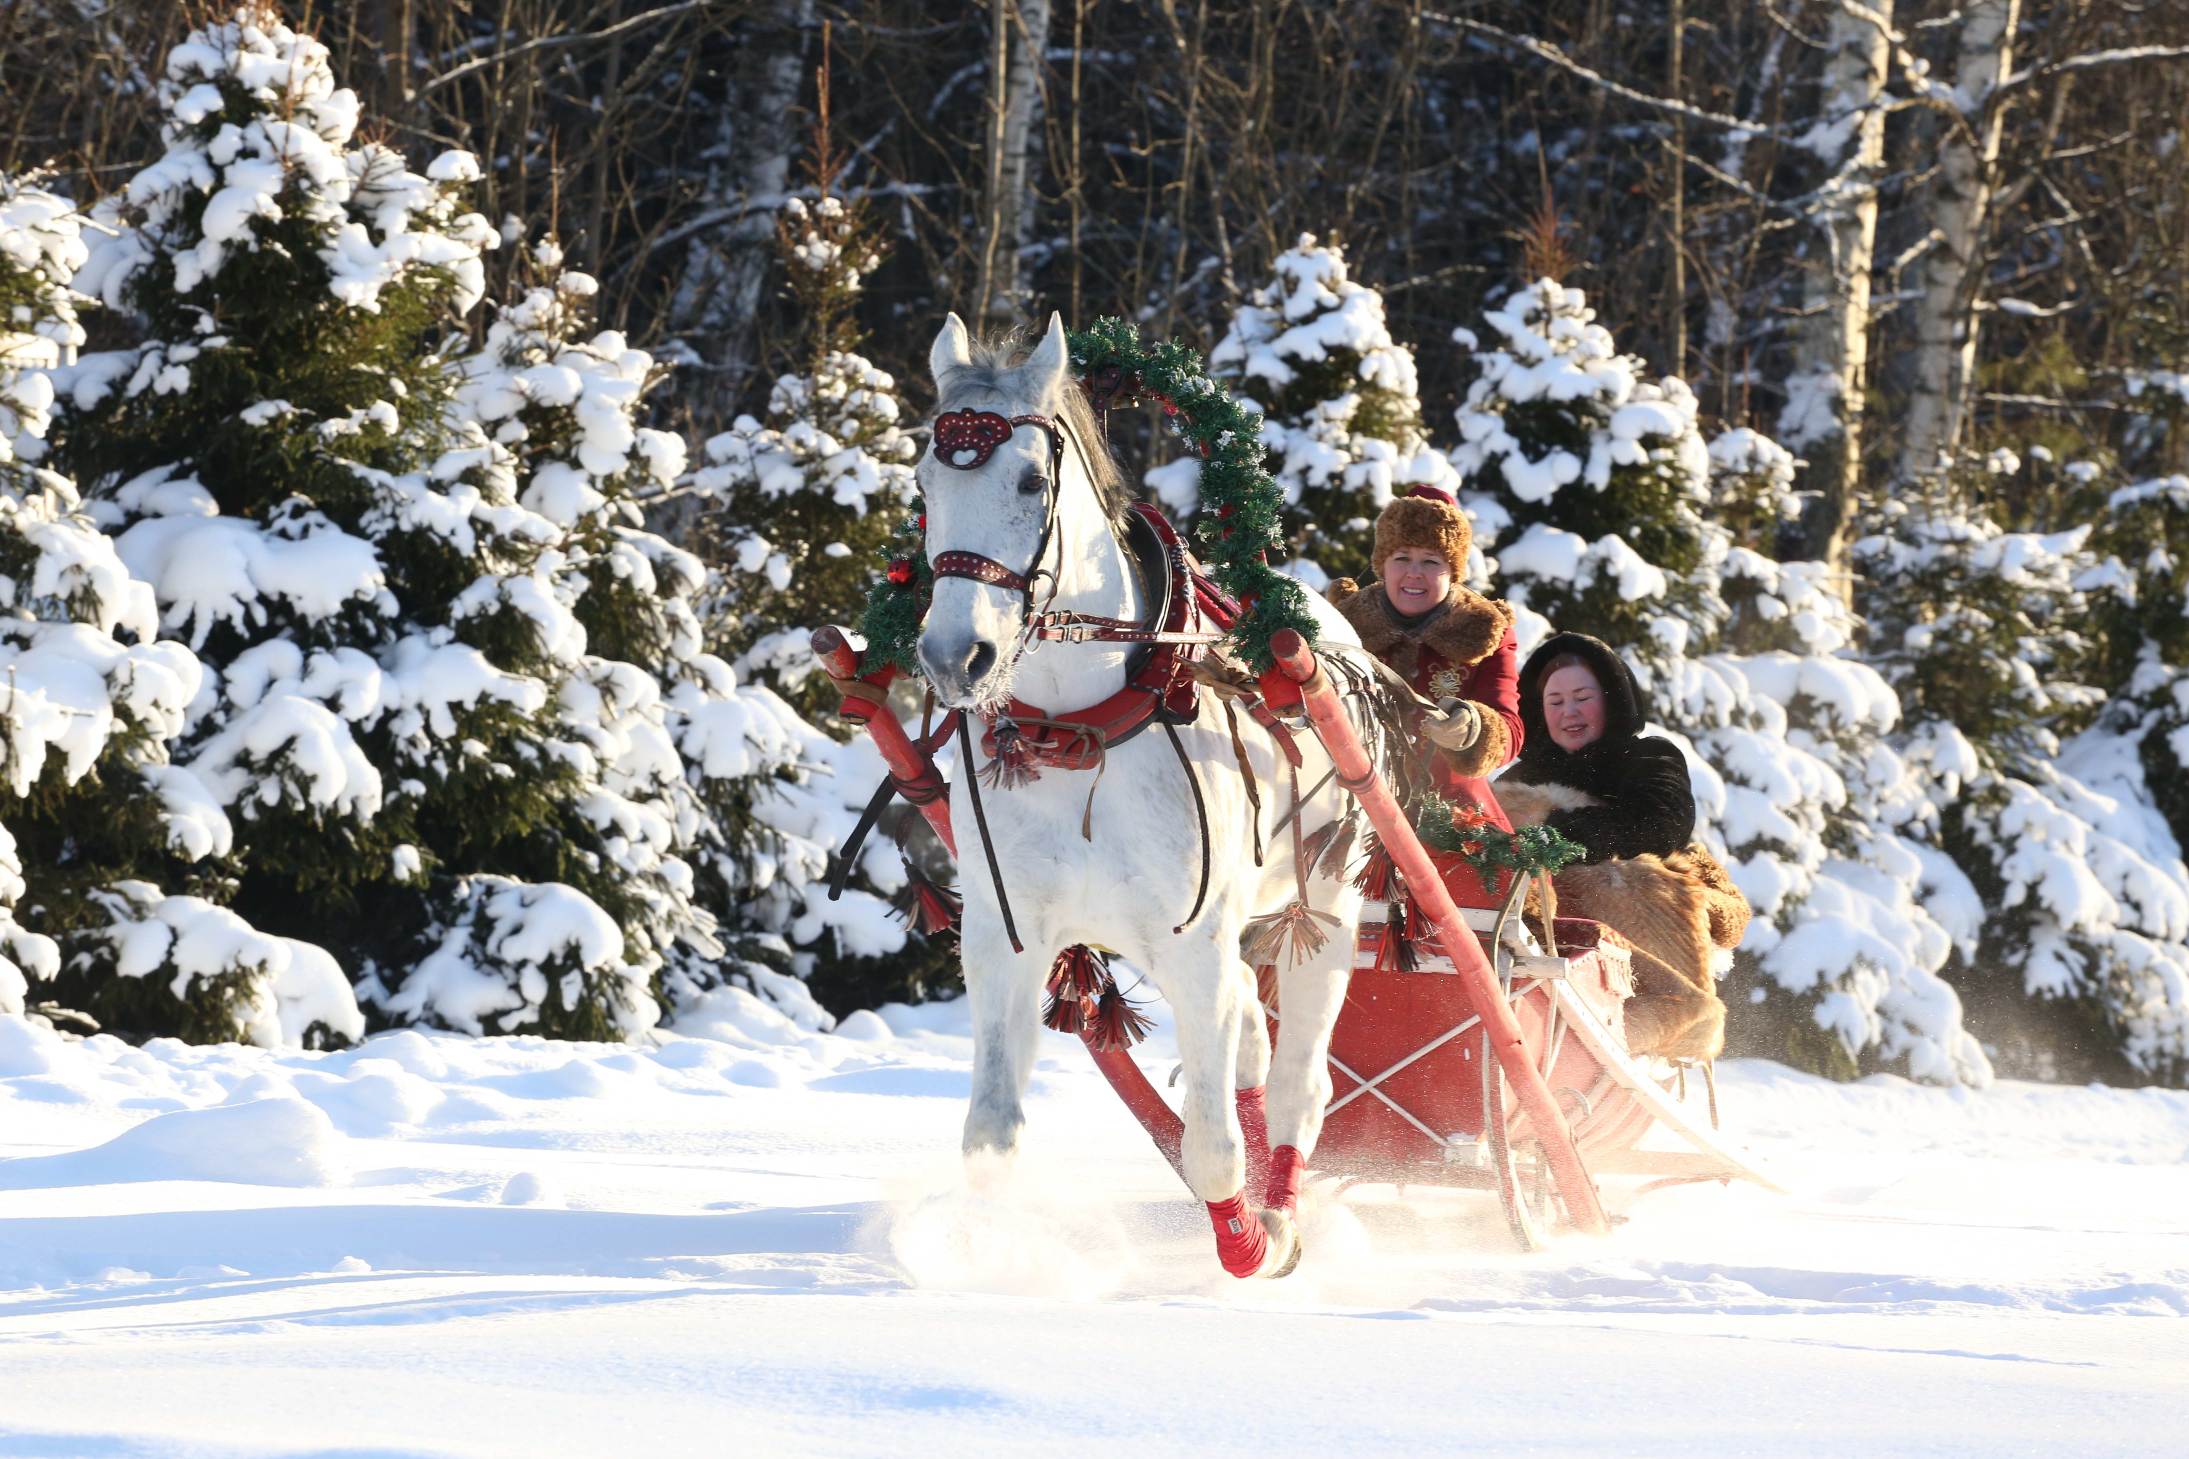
x=979 y=660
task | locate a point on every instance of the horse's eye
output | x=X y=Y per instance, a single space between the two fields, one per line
x=1033 y=483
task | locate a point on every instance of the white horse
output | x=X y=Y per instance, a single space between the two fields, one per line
x=1048 y=492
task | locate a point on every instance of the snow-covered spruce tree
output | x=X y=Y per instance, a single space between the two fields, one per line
x=93 y=818
x=2073 y=937
x=1610 y=513
x=794 y=509
x=2144 y=526
x=795 y=513
x=1588 y=480
x=1341 y=410
x=709 y=814
x=285 y=456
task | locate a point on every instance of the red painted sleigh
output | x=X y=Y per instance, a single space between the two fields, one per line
x=1495 y=1062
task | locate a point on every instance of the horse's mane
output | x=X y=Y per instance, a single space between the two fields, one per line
x=996 y=356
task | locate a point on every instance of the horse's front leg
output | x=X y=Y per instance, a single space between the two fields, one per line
x=1004 y=988
x=1212 y=998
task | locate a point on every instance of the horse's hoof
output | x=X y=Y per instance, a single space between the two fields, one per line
x=1284 y=1244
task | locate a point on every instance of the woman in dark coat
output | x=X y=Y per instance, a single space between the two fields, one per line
x=1589 y=739
x=1589 y=772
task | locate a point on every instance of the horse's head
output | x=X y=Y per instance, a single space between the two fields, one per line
x=990 y=482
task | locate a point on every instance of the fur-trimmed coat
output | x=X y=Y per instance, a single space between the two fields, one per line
x=1462 y=649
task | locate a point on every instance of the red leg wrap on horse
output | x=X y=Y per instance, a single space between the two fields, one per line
x=1285 y=1165
x=1241 y=1240
x=1254 y=1125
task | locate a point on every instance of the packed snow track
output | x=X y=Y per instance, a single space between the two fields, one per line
x=755 y=1240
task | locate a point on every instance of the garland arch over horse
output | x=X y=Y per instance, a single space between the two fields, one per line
x=1067 y=625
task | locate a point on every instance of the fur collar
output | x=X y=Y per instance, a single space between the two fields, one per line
x=1464 y=632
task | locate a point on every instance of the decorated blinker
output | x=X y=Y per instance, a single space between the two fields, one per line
x=965 y=439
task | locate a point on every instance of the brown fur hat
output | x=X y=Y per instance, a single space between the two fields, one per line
x=1427 y=516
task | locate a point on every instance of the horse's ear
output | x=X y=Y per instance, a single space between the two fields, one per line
x=1051 y=360
x=953 y=349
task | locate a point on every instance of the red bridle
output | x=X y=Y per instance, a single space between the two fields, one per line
x=963 y=441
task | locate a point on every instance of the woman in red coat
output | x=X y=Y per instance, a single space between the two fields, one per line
x=1453 y=646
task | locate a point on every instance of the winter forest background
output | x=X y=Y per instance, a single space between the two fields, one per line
x=428 y=429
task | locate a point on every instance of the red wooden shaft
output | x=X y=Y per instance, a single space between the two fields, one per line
x=1158 y=1118
x=1297 y=663
x=905 y=760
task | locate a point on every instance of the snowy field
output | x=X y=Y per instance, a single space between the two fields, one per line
x=760 y=1242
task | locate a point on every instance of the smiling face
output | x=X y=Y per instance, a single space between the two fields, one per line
x=1573 y=708
x=1416 y=579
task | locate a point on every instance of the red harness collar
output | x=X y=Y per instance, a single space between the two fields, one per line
x=1022 y=736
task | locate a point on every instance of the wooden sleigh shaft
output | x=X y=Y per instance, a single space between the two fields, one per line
x=1299 y=672
x=909 y=763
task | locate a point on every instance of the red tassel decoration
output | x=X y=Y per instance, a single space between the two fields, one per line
x=1265 y=985
x=1377 y=877
x=1331 y=862
x=926 y=906
x=1397 y=953
x=1117 y=1023
x=1013 y=762
x=1065 y=1015
x=1316 y=843
x=1077 y=983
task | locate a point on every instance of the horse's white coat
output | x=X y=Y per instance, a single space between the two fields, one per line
x=1128 y=886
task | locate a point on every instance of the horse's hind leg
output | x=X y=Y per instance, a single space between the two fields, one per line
x=1004 y=988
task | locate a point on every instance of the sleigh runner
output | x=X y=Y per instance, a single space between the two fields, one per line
x=1493 y=1059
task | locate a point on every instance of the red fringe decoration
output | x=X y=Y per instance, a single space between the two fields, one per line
x=926 y=906
x=1377 y=877
x=1116 y=1024
x=1317 y=842
x=1084 y=1000
x=1265 y=985
x=1293 y=927
x=1397 y=953
x=1331 y=862
x=1077 y=982
x=1012 y=763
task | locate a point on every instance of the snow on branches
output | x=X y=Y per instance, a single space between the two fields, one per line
x=1340 y=407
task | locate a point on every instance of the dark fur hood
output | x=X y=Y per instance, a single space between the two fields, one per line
x=1463 y=632
x=1623 y=714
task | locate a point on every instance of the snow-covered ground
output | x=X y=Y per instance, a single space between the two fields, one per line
x=760 y=1242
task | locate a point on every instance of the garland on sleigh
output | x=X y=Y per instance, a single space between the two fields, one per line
x=1468 y=832
x=1240 y=520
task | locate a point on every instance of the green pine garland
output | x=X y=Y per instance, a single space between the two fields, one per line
x=1241 y=505
x=1470 y=834
x=891 y=623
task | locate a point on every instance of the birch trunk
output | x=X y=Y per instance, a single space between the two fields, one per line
x=1960 y=199
x=717 y=302
x=1021 y=42
x=1824 y=407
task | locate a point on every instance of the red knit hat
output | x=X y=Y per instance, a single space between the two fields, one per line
x=1427 y=516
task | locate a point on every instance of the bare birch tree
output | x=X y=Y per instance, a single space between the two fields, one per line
x=1823 y=414
x=1957 y=210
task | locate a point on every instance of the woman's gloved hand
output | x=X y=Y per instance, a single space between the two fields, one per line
x=1455 y=726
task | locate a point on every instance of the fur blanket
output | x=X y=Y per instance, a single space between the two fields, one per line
x=1674 y=909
